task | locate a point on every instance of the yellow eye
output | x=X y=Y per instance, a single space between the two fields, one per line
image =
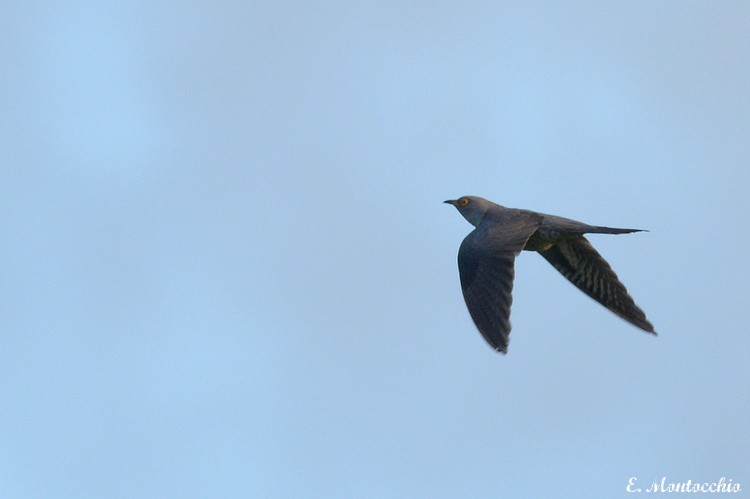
x=463 y=201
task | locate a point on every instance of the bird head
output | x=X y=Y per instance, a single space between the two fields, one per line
x=472 y=208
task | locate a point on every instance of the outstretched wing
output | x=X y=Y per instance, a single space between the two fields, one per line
x=486 y=267
x=582 y=265
x=487 y=285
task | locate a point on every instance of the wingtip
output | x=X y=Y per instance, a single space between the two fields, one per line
x=647 y=328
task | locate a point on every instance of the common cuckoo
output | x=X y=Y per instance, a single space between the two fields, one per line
x=487 y=255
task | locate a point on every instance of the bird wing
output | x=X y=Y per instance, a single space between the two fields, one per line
x=582 y=265
x=486 y=267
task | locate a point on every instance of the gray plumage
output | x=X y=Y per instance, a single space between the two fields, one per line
x=487 y=255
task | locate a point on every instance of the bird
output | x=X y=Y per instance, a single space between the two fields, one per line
x=487 y=256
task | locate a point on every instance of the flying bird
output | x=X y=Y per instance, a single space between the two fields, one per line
x=487 y=255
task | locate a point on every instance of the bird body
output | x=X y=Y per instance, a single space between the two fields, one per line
x=487 y=255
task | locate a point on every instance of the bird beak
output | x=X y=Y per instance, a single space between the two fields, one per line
x=451 y=201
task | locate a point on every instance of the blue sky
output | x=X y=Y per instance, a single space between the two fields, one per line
x=228 y=272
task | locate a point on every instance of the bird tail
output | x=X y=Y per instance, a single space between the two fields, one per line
x=612 y=230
